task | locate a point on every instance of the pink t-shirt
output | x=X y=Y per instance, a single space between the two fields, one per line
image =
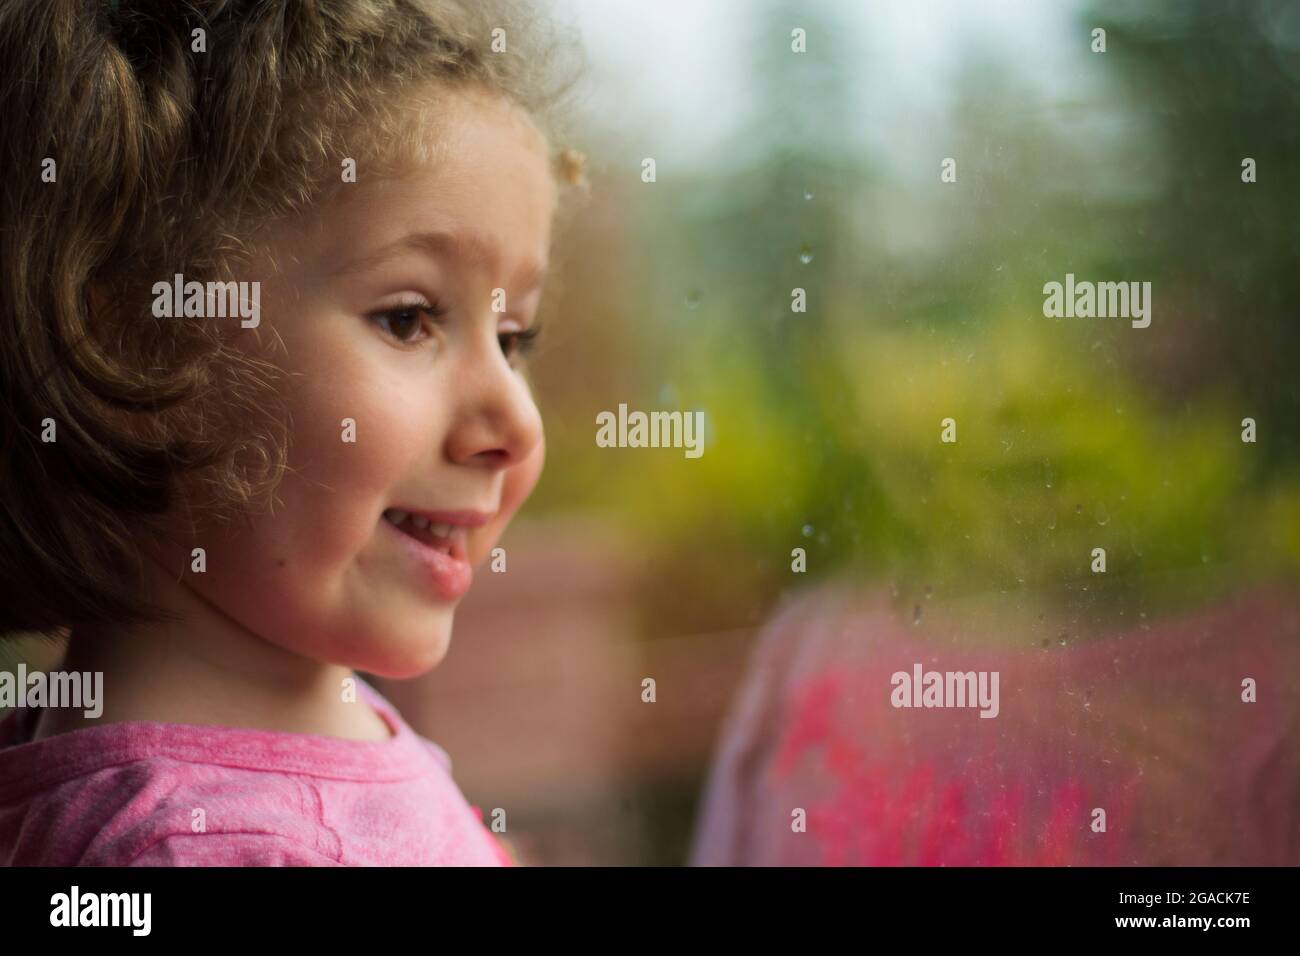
x=129 y=794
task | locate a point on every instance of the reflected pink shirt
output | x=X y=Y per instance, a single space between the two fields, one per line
x=125 y=794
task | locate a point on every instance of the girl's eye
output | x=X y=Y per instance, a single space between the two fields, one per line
x=406 y=323
x=519 y=344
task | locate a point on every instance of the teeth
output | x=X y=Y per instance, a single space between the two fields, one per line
x=397 y=516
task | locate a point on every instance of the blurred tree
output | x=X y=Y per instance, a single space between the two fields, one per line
x=1215 y=82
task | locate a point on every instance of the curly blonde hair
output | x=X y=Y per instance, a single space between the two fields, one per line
x=153 y=137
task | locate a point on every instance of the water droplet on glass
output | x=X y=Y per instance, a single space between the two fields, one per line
x=808 y=531
x=1078 y=509
x=693 y=298
x=916 y=614
x=805 y=254
x=807 y=194
x=1102 y=516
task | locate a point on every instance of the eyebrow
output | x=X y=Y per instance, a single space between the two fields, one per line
x=469 y=249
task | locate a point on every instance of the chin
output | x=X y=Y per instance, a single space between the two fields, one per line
x=405 y=649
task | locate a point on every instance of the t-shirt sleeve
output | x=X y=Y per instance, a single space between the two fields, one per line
x=502 y=854
x=229 y=849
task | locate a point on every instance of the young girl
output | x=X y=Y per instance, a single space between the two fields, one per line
x=269 y=273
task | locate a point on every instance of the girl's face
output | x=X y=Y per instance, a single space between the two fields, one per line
x=396 y=315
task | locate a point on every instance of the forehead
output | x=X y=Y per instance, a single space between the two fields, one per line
x=486 y=148
x=471 y=169
x=472 y=251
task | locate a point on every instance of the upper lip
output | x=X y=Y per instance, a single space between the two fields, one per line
x=463 y=519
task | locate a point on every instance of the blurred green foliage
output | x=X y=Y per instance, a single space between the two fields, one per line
x=1073 y=434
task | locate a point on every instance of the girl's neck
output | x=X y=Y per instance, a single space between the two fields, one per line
x=206 y=669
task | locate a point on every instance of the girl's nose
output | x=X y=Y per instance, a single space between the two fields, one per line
x=498 y=424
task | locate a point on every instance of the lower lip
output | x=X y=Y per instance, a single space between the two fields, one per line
x=448 y=576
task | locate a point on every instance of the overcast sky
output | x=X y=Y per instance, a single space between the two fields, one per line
x=673 y=73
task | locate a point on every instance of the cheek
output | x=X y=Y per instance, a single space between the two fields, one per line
x=358 y=433
x=352 y=444
x=518 y=484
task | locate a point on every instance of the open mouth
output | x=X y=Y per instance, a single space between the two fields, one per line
x=446 y=538
x=438 y=548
